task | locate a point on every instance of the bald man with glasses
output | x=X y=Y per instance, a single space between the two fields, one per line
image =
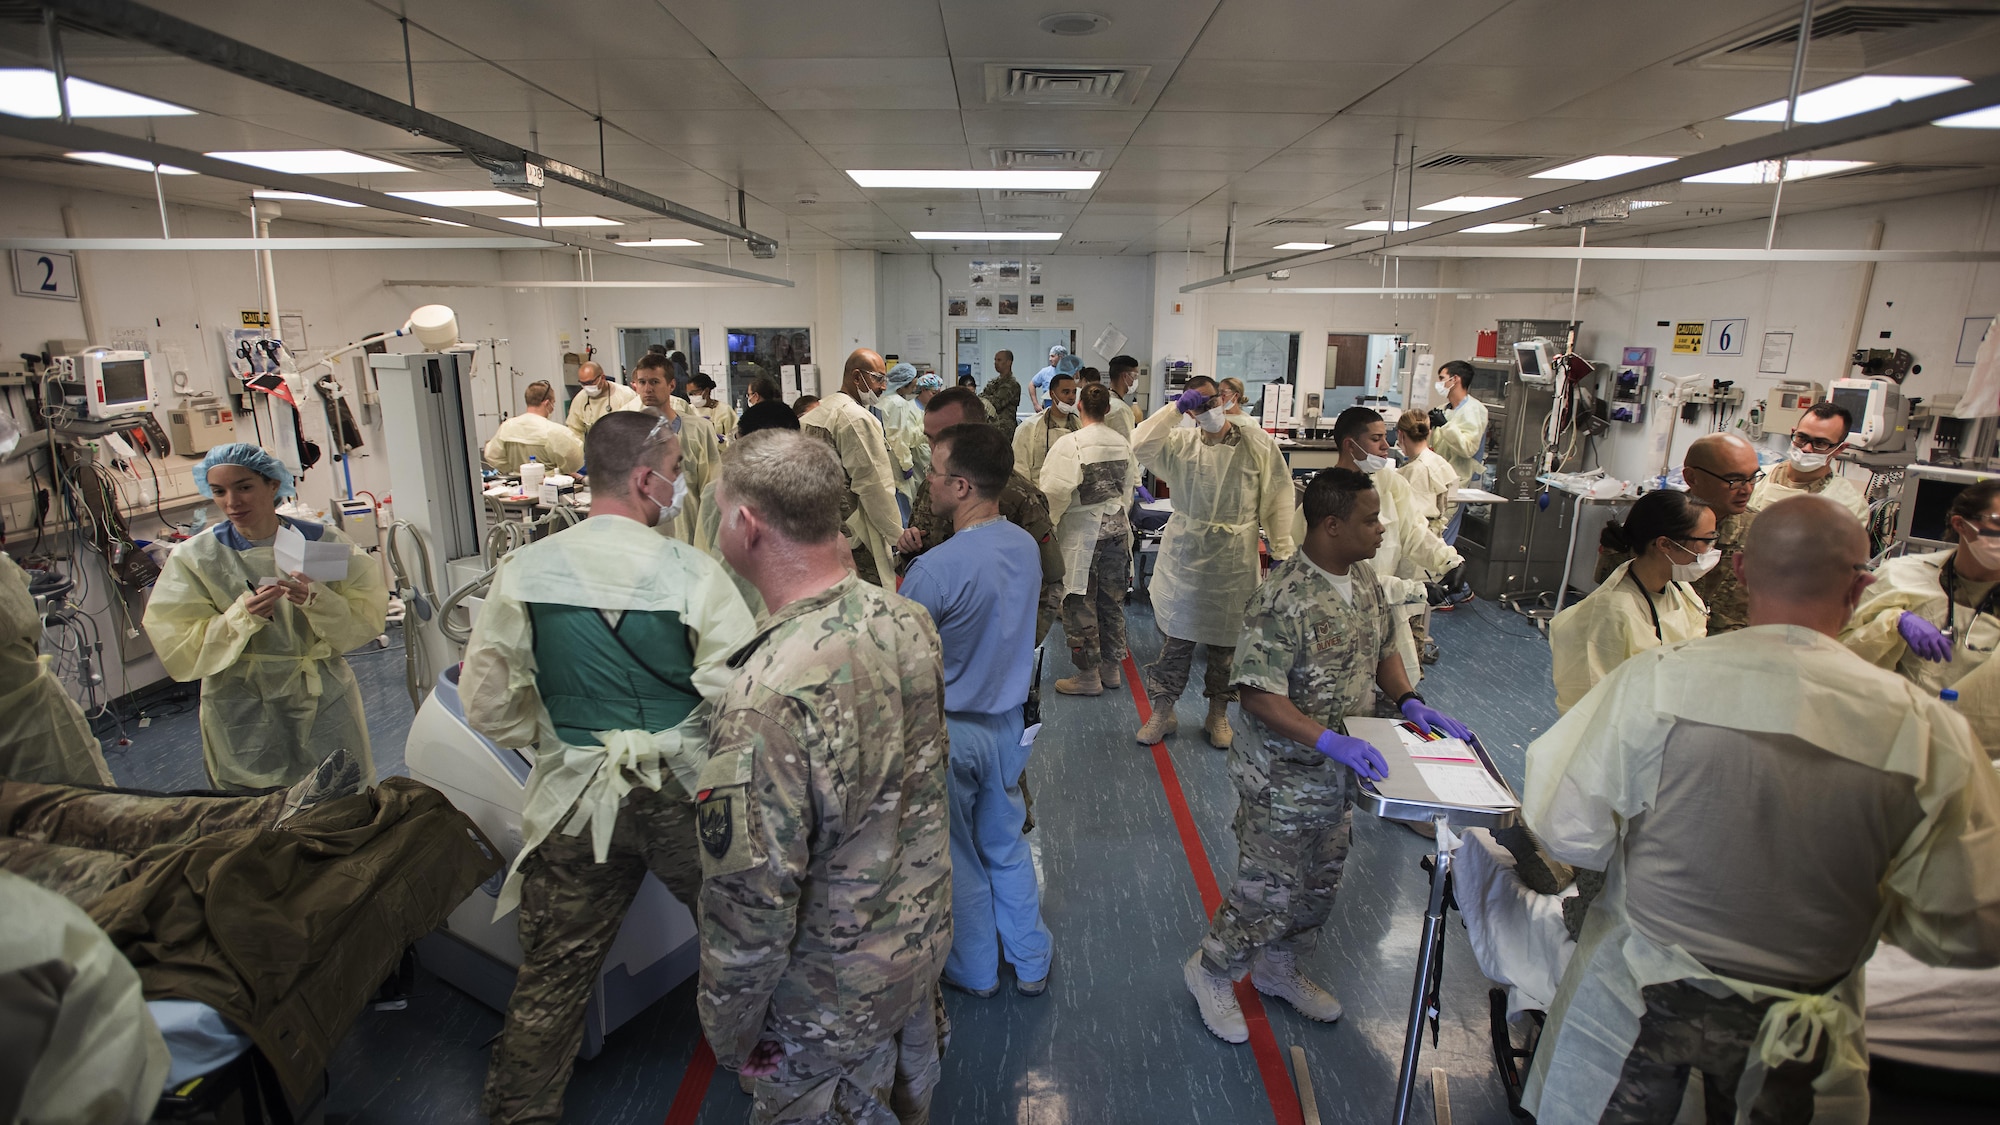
x=1721 y=470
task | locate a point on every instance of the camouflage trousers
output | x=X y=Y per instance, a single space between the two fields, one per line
x=571 y=909
x=888 y=1084
x=1047 y=609
x=81 y=842
x=864 y=564
x=1685 y=1028
x=1293 y=825
x=1095 y=619
x=1168 y=676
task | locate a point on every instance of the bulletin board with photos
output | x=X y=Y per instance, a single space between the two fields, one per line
x=1006 y=290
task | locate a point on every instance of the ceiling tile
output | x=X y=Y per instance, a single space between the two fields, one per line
x=780 y=29
x=663 y=85
x=612 y=29
x=1138 y=29
x=877 y=127
x=1258 y=87
x=708 y=127
x=1051 y=127
x=1175 y=158
x=1469 y=91
x=848 y=83
x=1222 y=130
x=1300 y=30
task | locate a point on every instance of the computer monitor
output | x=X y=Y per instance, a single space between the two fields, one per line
x=1535 y=359
x=1923 y=518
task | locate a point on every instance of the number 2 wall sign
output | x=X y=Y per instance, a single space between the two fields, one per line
x=49 y=274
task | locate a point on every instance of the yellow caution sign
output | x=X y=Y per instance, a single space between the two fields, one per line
x=1687 y=337
x=255 y=318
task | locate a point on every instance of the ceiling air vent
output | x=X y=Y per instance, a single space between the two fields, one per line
x=1894 y=171
x=1482 y=163
x=1020 y=84
x=1852 y=35
x=1038 y=158
x=1285 y=222
x=1037 y=196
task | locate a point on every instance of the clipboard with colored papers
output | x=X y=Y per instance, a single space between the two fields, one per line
x=1430 y=774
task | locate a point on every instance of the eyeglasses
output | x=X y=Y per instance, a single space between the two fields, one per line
x=1816 y=445
x=1733 y=481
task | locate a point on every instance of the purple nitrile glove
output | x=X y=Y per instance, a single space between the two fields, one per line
x=1924 y=638
x=1426 y=718
x=1353 y=753
x=1144 y=496
x=1191 y=402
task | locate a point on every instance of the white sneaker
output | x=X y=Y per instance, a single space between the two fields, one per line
x=1278 y=974
x=1216 y=997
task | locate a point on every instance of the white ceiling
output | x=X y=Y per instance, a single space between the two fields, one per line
x=1286 y=108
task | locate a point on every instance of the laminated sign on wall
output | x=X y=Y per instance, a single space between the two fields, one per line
x=1687 y=337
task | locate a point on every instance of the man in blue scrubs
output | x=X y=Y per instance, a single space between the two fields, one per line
x=974 y=585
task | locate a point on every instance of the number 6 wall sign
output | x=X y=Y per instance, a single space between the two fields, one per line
x=49 y=274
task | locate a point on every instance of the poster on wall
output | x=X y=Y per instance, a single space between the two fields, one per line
x=982 y=306
x=1034 y=302
x=1010 y=304
x=1008 y=271
x=1777 y=355
x=1034 y=273
x=980 y=273
x=1065 y=303
x=1687 y=337
x=956 y=304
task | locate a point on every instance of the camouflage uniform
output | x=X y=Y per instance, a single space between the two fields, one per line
x=1024 y=506
x=1684 y=1027
x=82 y=842
x=1728 y=608
x=1095 y=621
x=1002 y=396
x=826 y=898
x=1295 y=806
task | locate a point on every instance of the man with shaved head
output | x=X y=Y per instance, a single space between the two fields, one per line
x=848 y=420
x=1720 y=470
x=1765 y=804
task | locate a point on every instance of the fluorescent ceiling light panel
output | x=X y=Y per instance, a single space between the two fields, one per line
x=32 y=93
x=1303 y=246
x=113 y=160
x=311 y=161
x=986 y=235
x=1642 y=204
x=563 y=221
x=970 y=180
x=1602 y=167
x=1470 y=202
x=302 y=197
x=1856 y=95
x=1497 y=228
x=1387 y=224
x=465 y=198
x=440 y=222
x=1988 y=118
x=663 y=242
x=1766 y=171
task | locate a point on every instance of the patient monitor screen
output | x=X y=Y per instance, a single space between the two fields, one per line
x=1930 y=511
x=125 y=381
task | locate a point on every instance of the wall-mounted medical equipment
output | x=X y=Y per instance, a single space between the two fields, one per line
x=1881 y=413
x=1535 y=359
x=1923 y=515
x=100 y=384
x=1785 y=403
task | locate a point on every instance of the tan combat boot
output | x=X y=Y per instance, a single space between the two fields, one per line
x=1083 y=683
x=1110 y=674
x=1162 y=724
x=1217 y=726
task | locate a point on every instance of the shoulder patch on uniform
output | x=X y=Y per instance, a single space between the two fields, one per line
x=717 y=827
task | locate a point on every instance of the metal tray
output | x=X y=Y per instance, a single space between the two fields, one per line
x=1460 y=817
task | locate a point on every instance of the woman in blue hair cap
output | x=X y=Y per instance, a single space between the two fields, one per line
x=277 y=697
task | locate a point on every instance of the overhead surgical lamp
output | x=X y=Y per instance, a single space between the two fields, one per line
x=434 y=326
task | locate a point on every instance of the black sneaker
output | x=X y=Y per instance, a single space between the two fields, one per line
x=336 y=776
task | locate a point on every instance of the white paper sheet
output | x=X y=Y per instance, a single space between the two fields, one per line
x=1464 y=785
x=1444 y=749
x=323 y=561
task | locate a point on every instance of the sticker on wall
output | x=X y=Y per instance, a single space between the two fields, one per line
x=1725 y=337
x=1777 y=356
x=955 y=304
x=1065 y=302
x=1034 y=273
x=1034 y=301
x=1687 y=337
x=48 y=274
x=1010 y=303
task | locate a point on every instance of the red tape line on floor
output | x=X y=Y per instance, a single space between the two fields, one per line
x=1263 y=1043
x=694 y=1086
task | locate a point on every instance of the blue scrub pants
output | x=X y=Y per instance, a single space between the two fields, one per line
x=995 y=904
x=1451 y=525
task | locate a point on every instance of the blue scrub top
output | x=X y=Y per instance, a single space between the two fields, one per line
x=982 y=587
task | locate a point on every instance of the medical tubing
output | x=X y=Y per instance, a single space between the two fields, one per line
x=452 y=632
x=415 y=671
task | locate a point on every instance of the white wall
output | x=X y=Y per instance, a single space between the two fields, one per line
x=1108 y=291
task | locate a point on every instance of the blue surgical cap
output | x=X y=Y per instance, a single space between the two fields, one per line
x=250 y=457
x=1068 y=365
x=901 y=375
x=930 y=381
x=1059 y=351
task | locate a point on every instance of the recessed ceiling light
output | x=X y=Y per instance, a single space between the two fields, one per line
x=113 y=160
x=1766 y=171
x=563 y=221
x=1856 y=95
x=1497 y=228
x=1303 y=246
x=663 y=242
x=32 y=93
x=440 y=222
x=1642 y=204
x=1387 y=224
x=1074 y=23
x=986 y=235
x=1602 y=167
x=1019 y=180
x=302 y=197
x=465 y=198
x=1470 y=202
x=1988 y=118
x=311 y=161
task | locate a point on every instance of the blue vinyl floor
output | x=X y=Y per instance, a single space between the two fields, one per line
x=1117 y=1038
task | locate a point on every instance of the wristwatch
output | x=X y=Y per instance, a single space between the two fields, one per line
x=1407 y=696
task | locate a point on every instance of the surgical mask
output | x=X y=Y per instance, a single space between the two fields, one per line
x=867 y=398
x=1985 y=550
x=1702 y=564
x=1806 y=461
x=595 y=390
x=1212 y=420
x=1441 y=387
x=1372 y=464
x=671 y=511
x=1066 y=407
